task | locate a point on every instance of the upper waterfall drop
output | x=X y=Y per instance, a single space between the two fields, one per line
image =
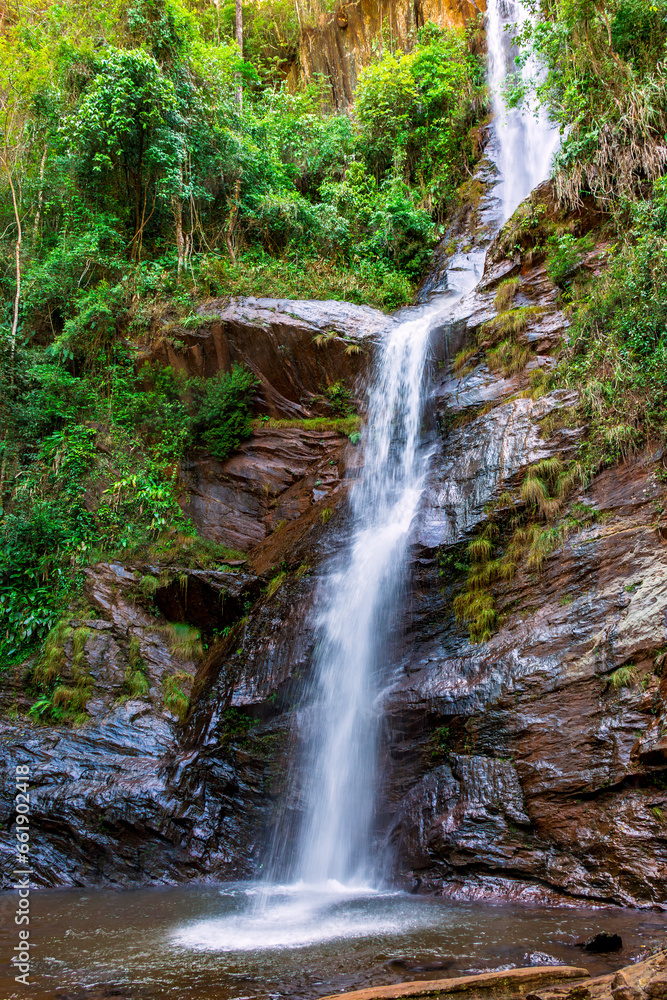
x=524 y=141
x=360 y=590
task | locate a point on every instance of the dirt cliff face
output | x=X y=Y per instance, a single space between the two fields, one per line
x=346 y=40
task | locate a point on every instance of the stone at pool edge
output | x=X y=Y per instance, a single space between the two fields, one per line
x=511 y=982
x=602 y=943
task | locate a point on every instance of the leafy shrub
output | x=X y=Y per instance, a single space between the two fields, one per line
x=176 y=699
x=340 y=399
x=606 y=89
x=639 y=31
x=224 y=411
x=416 y=109
x=617 y=350
x=565 y=254
x=33 y=578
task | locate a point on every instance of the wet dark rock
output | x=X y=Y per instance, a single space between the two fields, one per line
x=551 y=778
x=603 y=942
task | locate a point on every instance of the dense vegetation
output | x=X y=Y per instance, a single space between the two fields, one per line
x=605 y=85
x=134 y=180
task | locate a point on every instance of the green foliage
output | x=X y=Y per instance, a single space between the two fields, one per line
x=504 y=296
x=340 y=399
x=510 y=324
x=237 y=723
x=175 y=698
x=439 y=742
x=606 y=88
x=342 y=425
x=93 y=451
x=617 y=345
x=127 y=130
x=185 y=641
x=224 y=417
x=639 y=31
x=509 y=356
x=136 y=682
x=565 y=254
x=275 y=583
x=304 y=275
x=416 y=111
x=475 y=605
x=140 y=181
x=34 y=582
x=64 y=650
x=140 y=168
x=623 y=677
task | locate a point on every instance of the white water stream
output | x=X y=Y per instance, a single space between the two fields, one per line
x=331 y=855
x=525 y=141
x=363 y=586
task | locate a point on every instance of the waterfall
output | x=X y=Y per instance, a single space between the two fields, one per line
x=360 y=591
x=524 y=140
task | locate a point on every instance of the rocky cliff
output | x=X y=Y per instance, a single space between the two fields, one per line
x=534 y=763
x=530 y=765
x=345 y=40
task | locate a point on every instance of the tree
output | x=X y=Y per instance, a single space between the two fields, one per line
x=239 y=42
x=129 y=130
x=23 y=70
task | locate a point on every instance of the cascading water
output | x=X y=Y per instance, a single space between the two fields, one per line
x=331 y=854
x=357 y=597
x=362 y=586
x=524 y=140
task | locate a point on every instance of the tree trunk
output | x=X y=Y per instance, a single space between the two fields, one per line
x=231 y=222
x=177 y=209
x=17 y=260
x=239 y=42
x=217 y=27
x=40 y=193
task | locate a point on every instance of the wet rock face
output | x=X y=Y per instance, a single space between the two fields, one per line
x=106 y=809
x=275 y=478
x=479 y=459
x=533 y=765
